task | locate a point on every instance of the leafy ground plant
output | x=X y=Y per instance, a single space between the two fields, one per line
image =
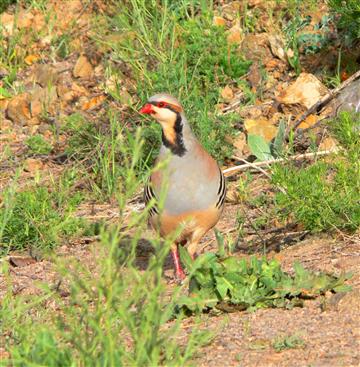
x=288 y=342
x=348 y=13
x=227 y=283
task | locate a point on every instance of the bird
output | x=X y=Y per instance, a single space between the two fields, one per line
x=196 y=187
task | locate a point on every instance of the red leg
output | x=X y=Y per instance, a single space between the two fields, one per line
x=179 y=272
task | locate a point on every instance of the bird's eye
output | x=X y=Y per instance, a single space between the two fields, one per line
x=161 y=104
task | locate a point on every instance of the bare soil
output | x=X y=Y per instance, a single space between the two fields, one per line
x=329 y=327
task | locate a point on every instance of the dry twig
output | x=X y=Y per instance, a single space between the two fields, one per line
x=231 y=170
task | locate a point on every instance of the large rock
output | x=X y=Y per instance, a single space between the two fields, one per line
x=304 y=92
x=83 y=68
x=348 y=99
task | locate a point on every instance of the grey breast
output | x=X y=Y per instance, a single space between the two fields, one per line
x=189 y=187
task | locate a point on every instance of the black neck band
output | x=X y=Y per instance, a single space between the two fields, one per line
x=177 y=147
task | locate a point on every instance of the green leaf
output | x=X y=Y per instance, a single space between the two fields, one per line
x=342 y=288
x=4 y=93
x=277 y=146
x=222 y=286
x=259 y=147
x=253 y=283
x=185 y=258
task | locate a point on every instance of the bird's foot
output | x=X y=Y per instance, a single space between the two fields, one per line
x=179 y=272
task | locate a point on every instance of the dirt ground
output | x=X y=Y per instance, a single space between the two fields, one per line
x=329 y=327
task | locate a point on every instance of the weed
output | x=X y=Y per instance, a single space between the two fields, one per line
x=37 y=218
x=5 y=3
x=227 y=283
x=61 y=45
x=348 y=12
x=101 y=151
x=288 y=342
x=325 y=195
x=81 y=136
x=36 y=144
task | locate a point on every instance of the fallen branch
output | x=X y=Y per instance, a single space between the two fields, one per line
x=256 y=165
x=324 y=100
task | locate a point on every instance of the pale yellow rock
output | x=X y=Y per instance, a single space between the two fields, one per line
x=329 y=144
x=45 y=75
x=25 y=19
x=7 y=24
x=32 y=165
x=311 y=120
x=235 y=35
x=43 y=99
x=261 y=127
x=305 y=91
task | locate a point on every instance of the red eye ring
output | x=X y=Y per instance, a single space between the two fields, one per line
x=161 y=104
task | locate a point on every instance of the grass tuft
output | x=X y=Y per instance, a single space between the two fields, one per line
x=38 y=218
x=325 y=195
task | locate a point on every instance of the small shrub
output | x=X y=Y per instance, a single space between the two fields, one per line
x=82 y=136
x=172 y=51
x=5 y=3
x=117 y=313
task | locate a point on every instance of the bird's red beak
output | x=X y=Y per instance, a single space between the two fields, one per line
x=147 y=109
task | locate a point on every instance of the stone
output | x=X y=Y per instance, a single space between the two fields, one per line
x=18 y=109
x=348 y=99
x=83 y=68
x=45 y=75
x=255 y=47
x=43 y=99
x=305 y=91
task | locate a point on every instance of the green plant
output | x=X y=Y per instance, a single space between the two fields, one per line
x=82 y=136
x=265 y=151
x=326 y=194
x=102 y=151
x=38 y=145
x=348 y=12
x=288 y=342
x=226 y=283
x=37 y=217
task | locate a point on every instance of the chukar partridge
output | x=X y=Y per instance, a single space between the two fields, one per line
x=196 y=187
